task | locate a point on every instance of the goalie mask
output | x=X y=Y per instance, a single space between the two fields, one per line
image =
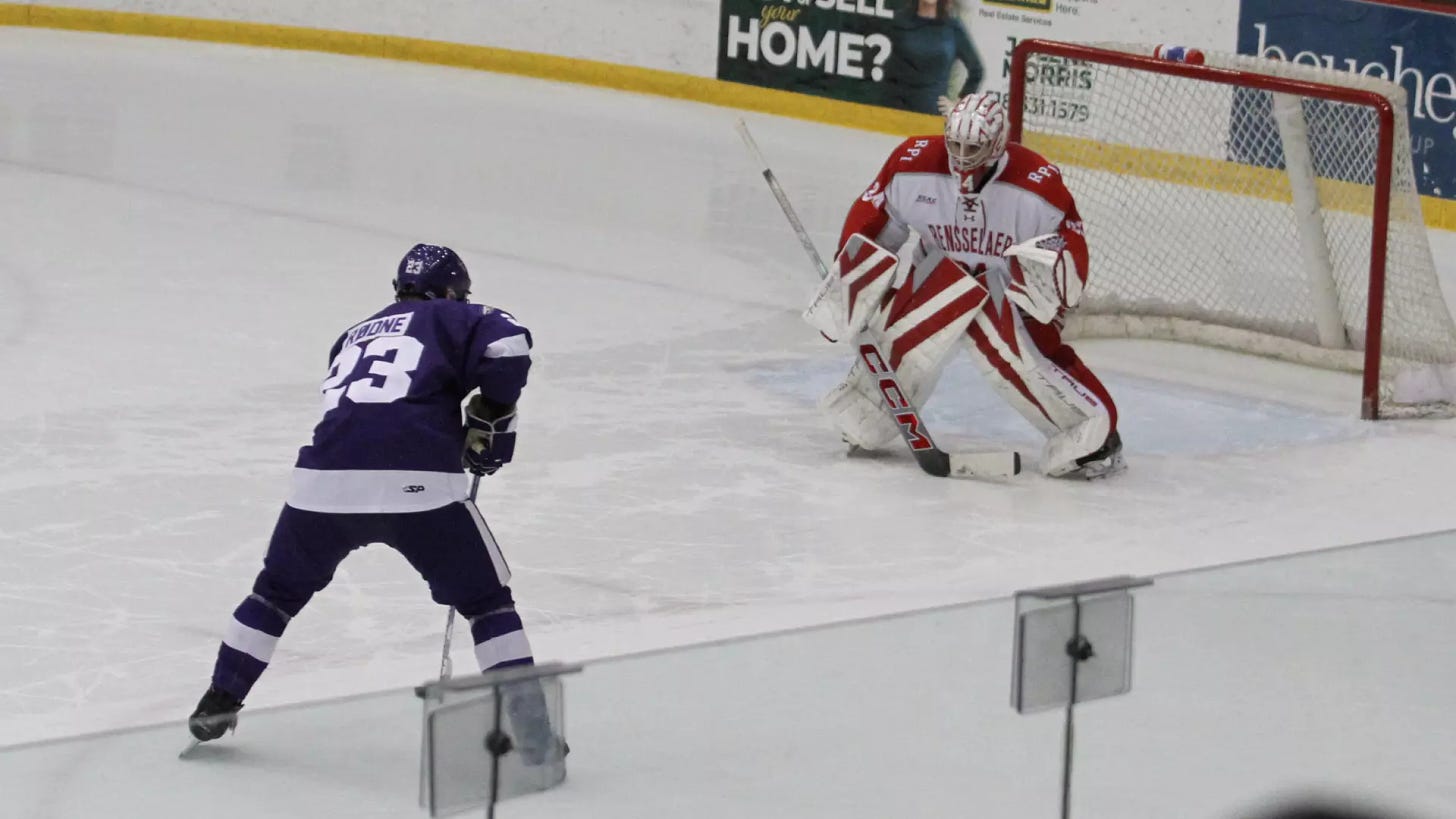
x=975 y=136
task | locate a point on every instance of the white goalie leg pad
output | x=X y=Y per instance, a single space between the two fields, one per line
x=851 y=293
x=1060 y=453
x=857 y=409
x=917 y=332
x=1075 y=421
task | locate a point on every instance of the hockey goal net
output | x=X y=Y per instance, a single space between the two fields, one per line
x=1245 y=203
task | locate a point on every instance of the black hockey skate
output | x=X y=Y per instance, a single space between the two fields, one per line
x=1102 y=462
x=216 y=714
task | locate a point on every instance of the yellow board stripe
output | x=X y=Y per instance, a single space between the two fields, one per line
x=484 y=58
x=1440 y=213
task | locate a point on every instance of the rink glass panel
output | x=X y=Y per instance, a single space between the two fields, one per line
x=1327 y=675
x=1326 y=672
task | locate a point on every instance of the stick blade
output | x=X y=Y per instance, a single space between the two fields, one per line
x=934 y=462
x=984 y=465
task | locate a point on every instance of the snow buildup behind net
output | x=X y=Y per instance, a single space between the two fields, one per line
x=1239 y=218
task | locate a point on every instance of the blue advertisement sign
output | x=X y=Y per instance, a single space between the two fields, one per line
x=1411 y=46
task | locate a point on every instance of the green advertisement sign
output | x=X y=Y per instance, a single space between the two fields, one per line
x=903 y=54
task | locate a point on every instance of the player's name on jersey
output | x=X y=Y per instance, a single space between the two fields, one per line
x=387 y=326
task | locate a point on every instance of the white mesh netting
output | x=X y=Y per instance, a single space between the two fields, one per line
x=1231 y=216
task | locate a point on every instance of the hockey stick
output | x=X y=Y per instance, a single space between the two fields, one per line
x=932 y=459
x=913 y=430
x=824 y=279
x=778 y=192
x=447 y=668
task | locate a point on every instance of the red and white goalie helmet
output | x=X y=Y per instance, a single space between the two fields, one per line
x=975 y=135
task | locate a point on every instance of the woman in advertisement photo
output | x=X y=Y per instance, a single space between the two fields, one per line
x=929 y=41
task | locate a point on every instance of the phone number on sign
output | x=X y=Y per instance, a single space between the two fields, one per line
x=1057 y=109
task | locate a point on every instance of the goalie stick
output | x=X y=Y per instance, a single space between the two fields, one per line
x=913 y=430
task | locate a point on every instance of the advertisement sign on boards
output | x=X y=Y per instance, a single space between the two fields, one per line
x=1412 y=47
x=902 y=54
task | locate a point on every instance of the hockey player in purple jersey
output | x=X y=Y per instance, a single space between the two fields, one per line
x=385 y=466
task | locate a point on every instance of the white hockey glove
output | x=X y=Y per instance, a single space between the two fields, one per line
x=851 y=293
x=1044 y=277
x=943 y=104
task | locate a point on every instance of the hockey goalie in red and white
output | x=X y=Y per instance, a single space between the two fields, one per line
x=1000 y=258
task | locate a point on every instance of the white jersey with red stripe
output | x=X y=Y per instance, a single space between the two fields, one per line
x=1023 y=196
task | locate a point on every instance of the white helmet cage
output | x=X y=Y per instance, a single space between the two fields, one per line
x=975 y=135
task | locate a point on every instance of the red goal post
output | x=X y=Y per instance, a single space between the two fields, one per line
x=1176 y=167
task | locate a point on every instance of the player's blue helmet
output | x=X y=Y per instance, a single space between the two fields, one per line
x=432 y=272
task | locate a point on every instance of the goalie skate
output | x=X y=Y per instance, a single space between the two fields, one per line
x=1103 y=463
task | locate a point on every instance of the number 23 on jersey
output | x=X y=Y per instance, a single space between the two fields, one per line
x=390 y=361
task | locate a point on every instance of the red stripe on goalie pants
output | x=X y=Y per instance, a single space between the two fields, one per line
x=1003 y=316
x=1048 y=339
x=1004 y=368
x=937 y=321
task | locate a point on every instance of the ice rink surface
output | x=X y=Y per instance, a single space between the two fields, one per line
x=186 y=228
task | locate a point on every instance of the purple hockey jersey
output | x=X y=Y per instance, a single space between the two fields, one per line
x=391 y=435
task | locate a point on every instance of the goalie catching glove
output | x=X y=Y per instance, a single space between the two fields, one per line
x=1044 y=277
x=490 y=436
